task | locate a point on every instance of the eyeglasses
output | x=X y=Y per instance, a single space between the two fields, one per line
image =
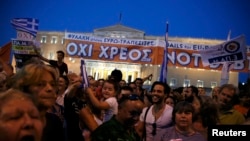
x=154 y=129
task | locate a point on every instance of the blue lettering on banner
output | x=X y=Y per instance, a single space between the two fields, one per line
x=200 y=47
x=125 y=54
x=78 y=37
x=129 y=42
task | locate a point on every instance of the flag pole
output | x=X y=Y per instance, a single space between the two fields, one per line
x=166 y=52
x=84 y=75
x=226 y=67
x=164 y=66
x=229 y=35
x=120 y=17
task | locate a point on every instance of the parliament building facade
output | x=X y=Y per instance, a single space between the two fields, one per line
x=177 y=76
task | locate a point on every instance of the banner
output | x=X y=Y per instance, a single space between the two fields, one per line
x=133 y=51
x=23 y=51
x=230 y=51
x=26 y=29
x=142 y=52
x=5 y=52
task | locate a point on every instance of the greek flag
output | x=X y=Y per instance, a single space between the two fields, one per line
x=164 y=66
x=29 y=25
x=84 y=75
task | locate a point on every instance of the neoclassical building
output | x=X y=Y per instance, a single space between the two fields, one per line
x=51 y=41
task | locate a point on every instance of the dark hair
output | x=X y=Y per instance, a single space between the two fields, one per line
x=66 y=79
x=179 y=90
x=208 y=111
x=172 y=97
x=131 y=83
x=140 y=79
x=183 y=106
x=126 y=98
x=124 y=81
x=167 y=88
x=101 y=79
x=126 y=88
x=194 y=90
x=149 y=97
x=116 y=75
x=60 y=51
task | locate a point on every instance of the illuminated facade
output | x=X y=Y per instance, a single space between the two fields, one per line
x=177 y=75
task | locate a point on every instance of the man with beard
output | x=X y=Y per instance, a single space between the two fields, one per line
x=190 y=93
x=121 y=126
x=158 y=116
x=225 y=99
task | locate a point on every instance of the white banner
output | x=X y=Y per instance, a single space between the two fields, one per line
x=229 y=51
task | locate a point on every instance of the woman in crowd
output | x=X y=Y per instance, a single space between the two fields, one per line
x=170 y=100
x=20 y=119
x=40 y=81
x=182 y=130
x=206 y=113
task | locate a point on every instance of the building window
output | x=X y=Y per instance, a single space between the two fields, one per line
x=53 y=40
x=43 y=39
x=213 y=84
x=200 y=83
x=186 y=83
x=51 y=55
x=63 y=40
x=173 y=82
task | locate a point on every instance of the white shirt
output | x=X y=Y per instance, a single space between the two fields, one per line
x=163 y=122
x=113 y=110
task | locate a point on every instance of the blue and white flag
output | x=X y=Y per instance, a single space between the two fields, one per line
x=84 y=75
x=164 y=66
x=29 y=25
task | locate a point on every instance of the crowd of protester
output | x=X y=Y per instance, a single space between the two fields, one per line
x=43 y=102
